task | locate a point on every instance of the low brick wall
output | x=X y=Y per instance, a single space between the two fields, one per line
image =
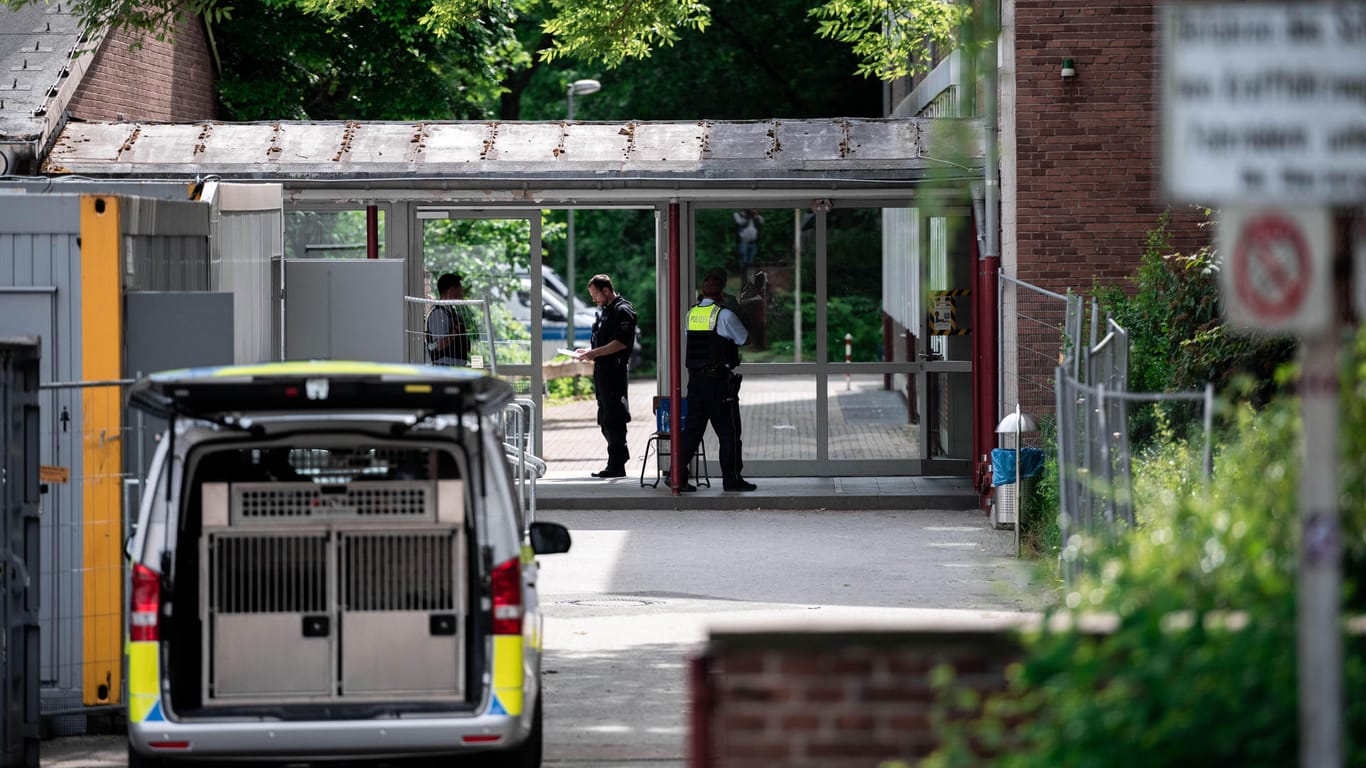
x=562 y=368
x=851 y=694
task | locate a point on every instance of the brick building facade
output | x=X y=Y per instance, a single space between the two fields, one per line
x=159 y=80
x=1085 y=149
x=1080 y=166
x=59 y=71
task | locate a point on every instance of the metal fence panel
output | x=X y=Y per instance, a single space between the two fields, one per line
x=20 y=557
x=1087 y=391
x=1037 y=328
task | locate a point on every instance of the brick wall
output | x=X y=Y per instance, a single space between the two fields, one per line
x=1088 y=147
x=160 y=81
x=818 y=697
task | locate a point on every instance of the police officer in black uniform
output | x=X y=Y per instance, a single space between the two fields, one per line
x=715 y=335
x=614 y=333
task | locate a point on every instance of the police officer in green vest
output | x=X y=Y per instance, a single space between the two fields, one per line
x=715 y=335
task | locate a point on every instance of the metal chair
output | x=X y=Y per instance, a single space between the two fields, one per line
x=659 y=443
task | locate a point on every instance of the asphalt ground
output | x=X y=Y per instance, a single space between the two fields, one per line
x=635 y=598
x=651 y=571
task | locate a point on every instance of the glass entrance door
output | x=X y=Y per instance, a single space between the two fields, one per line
x=514 y=326
x=842 y=376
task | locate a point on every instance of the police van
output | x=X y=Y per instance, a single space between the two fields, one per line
x=331 y=561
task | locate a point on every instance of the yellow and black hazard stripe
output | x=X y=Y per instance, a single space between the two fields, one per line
x=937 y=320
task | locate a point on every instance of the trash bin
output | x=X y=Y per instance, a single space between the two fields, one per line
x=1005 y=498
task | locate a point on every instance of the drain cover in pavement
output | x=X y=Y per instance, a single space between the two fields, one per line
x=610 y=602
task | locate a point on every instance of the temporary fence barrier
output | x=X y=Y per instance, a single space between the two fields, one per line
x=86 y=490
x=20 y=554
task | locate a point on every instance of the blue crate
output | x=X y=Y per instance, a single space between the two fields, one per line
x=662 y=414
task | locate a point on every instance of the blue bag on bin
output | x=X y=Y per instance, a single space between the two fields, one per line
x=1003 y=464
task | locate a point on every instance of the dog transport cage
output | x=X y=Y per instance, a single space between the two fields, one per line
x=338 y=580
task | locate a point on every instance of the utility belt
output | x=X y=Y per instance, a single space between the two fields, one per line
x=714 y=371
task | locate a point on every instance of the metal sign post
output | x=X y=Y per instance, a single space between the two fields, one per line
x=1319 y=622
x=1261 y=107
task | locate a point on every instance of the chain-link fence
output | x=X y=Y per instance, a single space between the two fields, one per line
x=1040 y=326
x=1073 y=371
x=1095 y=483
x=88 y=479
x=454 y=332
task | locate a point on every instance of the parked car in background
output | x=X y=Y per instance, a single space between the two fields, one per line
x=555 y=298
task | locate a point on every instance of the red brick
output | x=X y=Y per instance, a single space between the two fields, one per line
x=161 y=80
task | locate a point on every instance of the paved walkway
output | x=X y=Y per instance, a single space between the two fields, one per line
x=778 y=413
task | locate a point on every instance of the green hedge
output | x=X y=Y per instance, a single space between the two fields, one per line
x=1179 y=683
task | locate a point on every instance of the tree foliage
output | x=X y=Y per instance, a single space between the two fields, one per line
x=279 y=62
x=755 y=61
x=890 y=37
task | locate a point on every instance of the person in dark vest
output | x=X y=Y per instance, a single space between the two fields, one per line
x=448 y=338
x=714 y=337
x=614 y=333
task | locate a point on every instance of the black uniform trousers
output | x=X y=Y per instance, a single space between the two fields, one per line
x=712 y=400
x=609 y=386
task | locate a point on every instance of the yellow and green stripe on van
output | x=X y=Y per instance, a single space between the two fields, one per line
x=508 y=673
x=144 y=677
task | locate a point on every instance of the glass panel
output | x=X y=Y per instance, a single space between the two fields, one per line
x=948 y=310
x=948 y=403
x=869 y=419
x=493 y=257
x=775 y=420
x=328 y=234
x=854 y=303
x=766 y=282
x=619 y=244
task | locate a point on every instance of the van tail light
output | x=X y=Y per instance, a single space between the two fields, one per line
x=507 y=598
x=144 y=605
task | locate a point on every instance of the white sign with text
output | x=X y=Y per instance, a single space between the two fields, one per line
x=1264 y=102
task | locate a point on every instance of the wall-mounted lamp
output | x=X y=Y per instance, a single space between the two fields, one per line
x=1069 y=69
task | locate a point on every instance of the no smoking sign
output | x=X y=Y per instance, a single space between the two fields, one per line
x=1276 y=273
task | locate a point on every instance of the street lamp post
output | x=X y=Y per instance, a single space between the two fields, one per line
x=579 y=88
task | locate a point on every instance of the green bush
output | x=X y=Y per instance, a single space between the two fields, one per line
x=1200 y=667
x=568 y=388
x=1177 y=339
x=860 y=316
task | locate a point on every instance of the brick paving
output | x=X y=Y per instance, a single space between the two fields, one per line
x=778 y=415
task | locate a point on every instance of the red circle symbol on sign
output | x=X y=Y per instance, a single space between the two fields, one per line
x=1271 y=266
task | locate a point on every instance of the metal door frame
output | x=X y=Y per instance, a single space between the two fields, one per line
x=416 y=214
x=823 y=369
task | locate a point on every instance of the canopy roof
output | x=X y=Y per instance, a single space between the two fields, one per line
x=827 y=153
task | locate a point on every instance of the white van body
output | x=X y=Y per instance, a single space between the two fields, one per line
x=330 y=562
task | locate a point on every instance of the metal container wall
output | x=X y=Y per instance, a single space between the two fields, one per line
x=65 y=265
x=248 y=237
